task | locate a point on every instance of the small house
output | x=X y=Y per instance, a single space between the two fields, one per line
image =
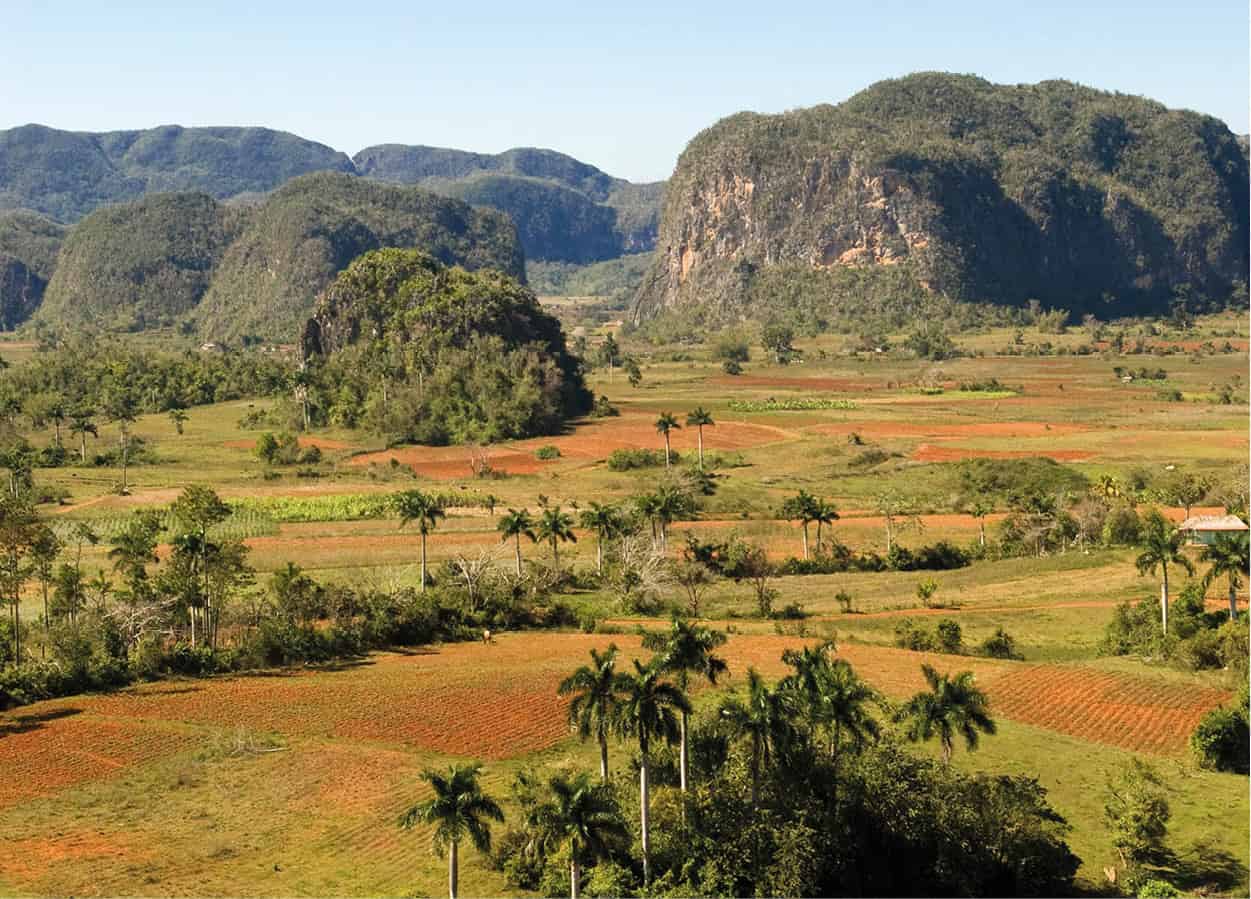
x=1203 y=529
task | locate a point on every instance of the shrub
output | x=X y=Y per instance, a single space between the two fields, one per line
x=547 y=453
x=604 y=409
x=628 y=459
x=948 y=637
x=1222 y=741
x=999 y=645
x=845 y=601
x=731 y=367
x=909 y=636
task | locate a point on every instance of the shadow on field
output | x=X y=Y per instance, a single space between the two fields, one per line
x=1206 y=866
x=20 y=724
x=413 y=651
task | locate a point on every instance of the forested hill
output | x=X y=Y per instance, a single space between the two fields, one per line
x=67 y=174
x=253 y=270
x=565 y=210
x=1081 y=199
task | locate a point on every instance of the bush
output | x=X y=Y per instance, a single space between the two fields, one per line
x=909 y=636
x=999 y=645
x=547 y=453
x=948 y=637
x=1155 y=888
x=1222 y=740
x=604 y=409
x=628 y=459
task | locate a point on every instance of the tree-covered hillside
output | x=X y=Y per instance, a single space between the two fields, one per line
x=1082 y=199
x=565 y=210
x=66 y=174
x=28 y=248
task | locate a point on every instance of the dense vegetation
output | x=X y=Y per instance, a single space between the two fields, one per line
x=614 y=279
x=29 y=244
x=66 y=174
x=1084 y=200
x=433 y=354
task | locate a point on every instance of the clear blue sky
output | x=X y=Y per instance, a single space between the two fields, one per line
x=623 y=85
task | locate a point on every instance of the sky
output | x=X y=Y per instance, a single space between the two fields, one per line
x=622 y=86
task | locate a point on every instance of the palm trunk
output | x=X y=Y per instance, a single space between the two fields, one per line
x=666 y=449
x=1233 y=598
x=805 y=524
x=423 y=590
x=644 y=796
x=888 y=535
x=575 y=879
x=1164 y=601
x=43 y=650
x=603 y=757
x=683 y=755
x=125 y=447
x=555 y=554
x=518 y=542
x=701 y=447
x=82 y=446
x=946 y=753
x=453 y=871
x=981 y=532
x=599 y=554
x=755 y=772
x=17 y=629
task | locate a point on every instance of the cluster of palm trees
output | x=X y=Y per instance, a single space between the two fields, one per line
x=808 y=509
x=699 y=417
x=1162 y=545
x=823 y=702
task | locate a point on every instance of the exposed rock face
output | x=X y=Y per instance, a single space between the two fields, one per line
x=29 y=244
x=1081 y=199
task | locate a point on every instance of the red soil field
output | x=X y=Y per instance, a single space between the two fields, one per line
x=32 y=859
x=47 y=749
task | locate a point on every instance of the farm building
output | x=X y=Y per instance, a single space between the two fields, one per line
x=1204 y=528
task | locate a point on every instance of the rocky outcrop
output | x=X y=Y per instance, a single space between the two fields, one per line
x=1077 y=198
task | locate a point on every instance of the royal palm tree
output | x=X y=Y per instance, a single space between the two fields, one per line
x=664 y=425
x=979 y=510
x=823 y=513
x=766 y=718
x=578 y=817
x=81 y=424
x=833 y=697
x=555 y=527
x=596 y=692
x=606 y=521
x=949 y=707
x=647 y=710
x=515 y=525
x=670 y=505
x=801 y=507
x=1161 y=546
x=1227 y=556
x=178 y=417
x=459 y=809
x=648 y=506
x=683 y=650
x=425 y=510
x=699 y=417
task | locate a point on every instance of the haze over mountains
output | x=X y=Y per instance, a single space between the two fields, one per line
x=932 y=183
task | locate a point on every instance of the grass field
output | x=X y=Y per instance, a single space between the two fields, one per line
x=290 y=782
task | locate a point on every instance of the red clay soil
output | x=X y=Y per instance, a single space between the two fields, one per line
x=928 y=452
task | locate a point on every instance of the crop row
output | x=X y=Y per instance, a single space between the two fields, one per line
x=790 y=404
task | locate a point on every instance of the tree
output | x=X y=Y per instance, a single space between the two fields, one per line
x=1187 y=490
x=1227 y=556
x=893 y=507
x=17 y=532
x=801 y=508
x=425 y=510
x=1161 y=546
x=459 y=809
x=664 y=425
x=197 y=510
x=606 y=521
x=82 y=424
x=579 y=817
x=749 y=562
x=684 y=650
x=647 y=713
x=671 y=503
x=44 y=549
x=593 y=709
x=823 y=513
x=766 y=719
x=693 y=577
x=555 y=527
x=634 y=374
x=610 y=354
x=516 y=524
x=949 y=707
x=979 y=509
x=699 y=417
x=178 y=416
x=1137 y=813
x=121 y=408
x=779 y=339
x=832 y=695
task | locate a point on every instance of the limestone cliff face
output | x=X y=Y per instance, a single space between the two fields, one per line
x=982 y=192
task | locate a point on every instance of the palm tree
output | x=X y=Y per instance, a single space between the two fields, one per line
x=459 y=809
x=648 y=505
x=81 y=424
x=1161 y=545
x=595 y=689
x=684 y=650
x=950 y=706
x=1227 y=555
x=833 y=696
x=515 y=525
x=699 y=417
x=647 y=713
x=555 y=527
x=800 y=507
x=605 y=520
x=664 y=425
x=178 y=417
x=578 y=816
x=425 y=510
x=671 y=503
x=823 y=513
x=766 y=718
x=979 y=510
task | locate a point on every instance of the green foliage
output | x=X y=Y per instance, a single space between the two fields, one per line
x=790 y=404
x=1221 y=741
x=1137 y=814
x=28 y=247
x=616 y=280
x=625 y=459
